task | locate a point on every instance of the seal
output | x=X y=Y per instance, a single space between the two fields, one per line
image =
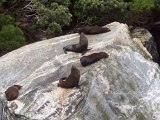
x=12 y=92
x=72 y=80
x=93 y=29
x=81 y=47
x=92 y=58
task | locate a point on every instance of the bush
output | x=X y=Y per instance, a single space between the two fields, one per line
x=5 y=20
x=52 y=28
x=11 y=37
x=1 y=1
x=157 y=5
x=141 y=5
x=52 y=15
x=117 y=9
x=89 y=10
x=135 y=12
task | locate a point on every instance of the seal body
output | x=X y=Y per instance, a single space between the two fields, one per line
x=72 y=80
x=93 y=29
x=90 y=59
x=81 y=47
x=12 y=92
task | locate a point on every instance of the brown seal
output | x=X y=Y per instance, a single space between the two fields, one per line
x=87 y=60
x=81 y=47
x=72 y=80
x=93 y=29
x=12 y=92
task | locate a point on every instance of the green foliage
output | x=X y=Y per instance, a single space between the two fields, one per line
x=52 y=28
x=157 y=5
x=52 y=14
x=11 y=37
x=141 y=5
x=117 y=9
x=89 y=10
x=5 y=20
x=62 y=2
x=1 y=1
x=130 y=11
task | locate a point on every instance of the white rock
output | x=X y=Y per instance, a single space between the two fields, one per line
x=124 y=86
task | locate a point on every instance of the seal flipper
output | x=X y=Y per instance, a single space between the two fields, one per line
x=86 y=51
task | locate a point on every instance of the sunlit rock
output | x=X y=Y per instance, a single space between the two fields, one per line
x=144 y=38
x=125 y=86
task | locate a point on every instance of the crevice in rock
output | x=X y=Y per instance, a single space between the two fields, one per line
x=155 y=31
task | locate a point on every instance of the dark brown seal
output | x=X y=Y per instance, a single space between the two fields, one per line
x=72 y=80
x=12 y=92
x=87 y=60
x=81 y=47
x=93 y=29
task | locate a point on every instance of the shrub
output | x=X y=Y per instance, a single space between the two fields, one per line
x=11 y=37
x=140 y=12
x=117 y=9
x=89 y=10
x=52 y=15
x=52 y=28
x=5 y=20
x=141 y=5
x=62 y=2
x=1 y=1
x=157 y=5
x=137 y=12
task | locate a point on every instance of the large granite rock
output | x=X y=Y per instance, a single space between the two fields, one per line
x=5 y=113
x=125 y=86
x=144 y=36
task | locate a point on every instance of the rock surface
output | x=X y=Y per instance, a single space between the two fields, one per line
x=125 y=86
x=5 y=113
x=147 y=40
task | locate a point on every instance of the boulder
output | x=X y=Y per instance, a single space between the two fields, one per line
x=144 y=36
x=125 y=86
x=5 y=113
